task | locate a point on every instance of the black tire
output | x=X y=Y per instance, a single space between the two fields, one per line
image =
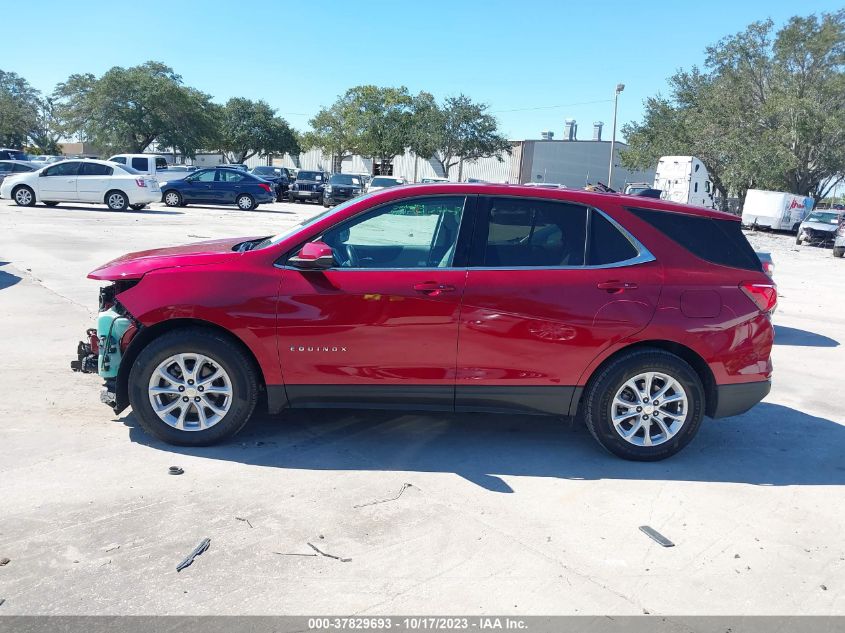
x=838 y=252
x=137 y=207
x=321 y=200
x=598 y=399
x=23 y=196
x=798 y=240
x=245 y=202
x=173 y=198
x=116 y=200
x=216 y=347
x=50 y=204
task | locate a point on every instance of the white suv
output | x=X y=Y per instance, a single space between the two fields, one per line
x=96 y=181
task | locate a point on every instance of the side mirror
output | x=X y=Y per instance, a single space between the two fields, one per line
x=313 y=256
x=42 y=173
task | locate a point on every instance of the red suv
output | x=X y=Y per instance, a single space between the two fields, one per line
x=638 y=316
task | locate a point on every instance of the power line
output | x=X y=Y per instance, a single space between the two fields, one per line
x=563 y=105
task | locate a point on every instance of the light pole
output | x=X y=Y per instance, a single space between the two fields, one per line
x=619 y=88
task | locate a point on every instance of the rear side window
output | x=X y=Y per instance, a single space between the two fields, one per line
x=161 y=163
x=119 y=159
x=140 y=163
x=716 y=241
x=95 y=169
x=607 y=245
x=535 y=233
x=19 y=168
x=230 y=175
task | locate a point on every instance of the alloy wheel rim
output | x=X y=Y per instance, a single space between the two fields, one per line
x=23 y=196
x=649 y=409
x=190 y=392
x=115 y=201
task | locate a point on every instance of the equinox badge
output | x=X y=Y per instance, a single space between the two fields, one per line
x=318 y=348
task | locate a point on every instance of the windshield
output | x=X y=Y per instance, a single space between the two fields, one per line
x=267 y=170
x=308 y=221
x=345 y=179
x=824 y=218
x=385 y=182
x=310 y=175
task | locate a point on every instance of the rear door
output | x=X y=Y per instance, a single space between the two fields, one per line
x=229 y=184
x=93 y=181
x=380 y=327
x=58 y=182
x=550 y=285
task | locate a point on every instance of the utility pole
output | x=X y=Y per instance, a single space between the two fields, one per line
x=619 y=88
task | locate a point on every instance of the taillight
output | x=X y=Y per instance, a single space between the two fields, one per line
x=764 y=296
x=264 y=186
x=140 y=182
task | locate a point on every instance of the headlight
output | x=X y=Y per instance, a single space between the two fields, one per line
x=356 y=190
x=162 y=183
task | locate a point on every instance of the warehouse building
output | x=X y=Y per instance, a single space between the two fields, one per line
x=570 y=161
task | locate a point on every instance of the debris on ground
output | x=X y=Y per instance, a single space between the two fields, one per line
x=824 y=587
x=244 y=520
x=294 y=554
x=322 y=553
x=2 y=600
x=203 y=546
x=656 y=536
x=372 y=503
x=175 y=470
x=5 y=561
x=112 y=547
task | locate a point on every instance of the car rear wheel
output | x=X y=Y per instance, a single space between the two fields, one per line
x=24 y=196
x=172 y=198
x=50 y=204
x=192 y=387
x=645 y=406
x=245 y=202
x=838 y=252
x=117 y=200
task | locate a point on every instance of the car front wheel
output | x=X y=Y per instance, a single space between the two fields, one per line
x=172 y=199
x=645 y=405
x=192 y=387
x=24 y=196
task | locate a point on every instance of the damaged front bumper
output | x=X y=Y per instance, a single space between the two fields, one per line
x=103 y=351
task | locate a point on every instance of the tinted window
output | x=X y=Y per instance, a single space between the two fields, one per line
x=119 y=159
x=140 y=163
x=525 y=232
x=415 y=233
x=6 y=167
x=95 y=169
x=385 y=182
x=607 y=245
x=161 y=163
x=345 y=179
x=230 y=175
x=62 y=169
x=716 y=241
x=19 y=167
x=310 y=175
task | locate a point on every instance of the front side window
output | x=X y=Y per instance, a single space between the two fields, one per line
x=95 y=169
x=415 y=233
x=63 y=169
x=534 y=233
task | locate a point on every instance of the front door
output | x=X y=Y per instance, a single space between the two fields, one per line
x=550 y=285
x=199 y=187
x=58 y=182
x=381 y=327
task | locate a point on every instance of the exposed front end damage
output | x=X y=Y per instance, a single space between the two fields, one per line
x=106 y=344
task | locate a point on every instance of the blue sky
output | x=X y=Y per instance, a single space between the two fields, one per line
x=520 y=57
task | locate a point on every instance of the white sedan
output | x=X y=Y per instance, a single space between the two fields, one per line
x=93 y=181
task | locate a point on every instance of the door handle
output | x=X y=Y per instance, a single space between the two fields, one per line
x=433 y=288
x=614 y=286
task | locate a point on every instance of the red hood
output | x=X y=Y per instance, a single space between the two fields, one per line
x=136 y=265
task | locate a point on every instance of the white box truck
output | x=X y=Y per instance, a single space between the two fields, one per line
x=775 y=209
x=684 y=179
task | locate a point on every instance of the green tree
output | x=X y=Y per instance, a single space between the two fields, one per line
x=18 y=109
x=129 y=109
x=458 y=130
x=46 y=130
x=334 y=130
x=767 y=111
x=252 y=127
x=381 y=120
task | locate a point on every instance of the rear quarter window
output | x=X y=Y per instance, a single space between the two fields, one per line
x=716 y=241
